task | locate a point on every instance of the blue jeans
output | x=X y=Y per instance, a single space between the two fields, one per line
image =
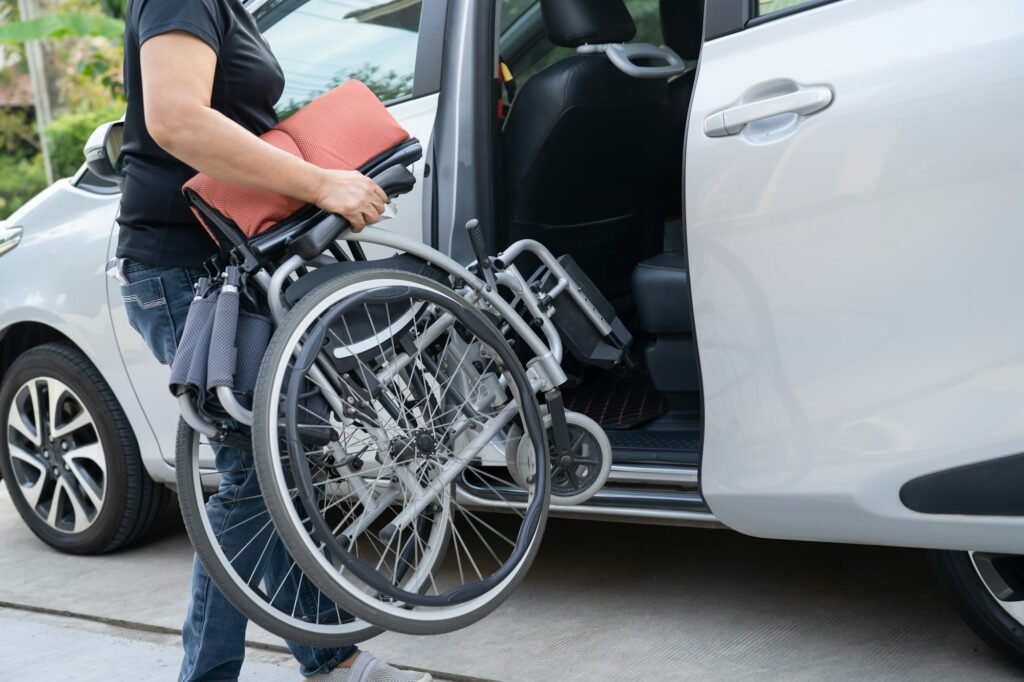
x=157 y=301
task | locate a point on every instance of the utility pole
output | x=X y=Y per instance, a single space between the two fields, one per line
x=41 y=93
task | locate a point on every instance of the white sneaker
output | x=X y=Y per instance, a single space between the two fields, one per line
x=369 y=668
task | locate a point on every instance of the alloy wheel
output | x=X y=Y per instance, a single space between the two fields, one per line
x=1003 y=577
x=56 y=456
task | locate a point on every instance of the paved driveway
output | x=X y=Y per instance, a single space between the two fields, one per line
x=604 y=602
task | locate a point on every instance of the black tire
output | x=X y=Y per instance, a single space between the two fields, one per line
x=292 y=537
x=192 y=505
x=133 y=501
x=974 y=601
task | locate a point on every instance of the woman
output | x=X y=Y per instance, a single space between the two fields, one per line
x=201 y=85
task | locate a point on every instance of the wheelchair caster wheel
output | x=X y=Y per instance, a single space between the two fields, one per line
x=575 y=476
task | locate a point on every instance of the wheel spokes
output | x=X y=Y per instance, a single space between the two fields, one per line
x=249 y=558
x=65 y=414
x=25 y=416
x=54 y=449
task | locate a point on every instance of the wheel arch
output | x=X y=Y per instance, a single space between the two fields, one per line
x=137 y=500
x=23 y=335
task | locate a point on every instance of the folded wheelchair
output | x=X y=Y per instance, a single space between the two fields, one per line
x=371 y=393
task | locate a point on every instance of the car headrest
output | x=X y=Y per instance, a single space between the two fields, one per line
x=571 y=23
x=682 y=26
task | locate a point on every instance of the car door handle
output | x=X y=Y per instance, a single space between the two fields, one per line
x=805 y=101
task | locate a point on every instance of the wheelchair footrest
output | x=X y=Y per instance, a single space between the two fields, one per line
x=578 y=333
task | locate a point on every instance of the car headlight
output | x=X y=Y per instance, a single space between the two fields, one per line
x=10 y=235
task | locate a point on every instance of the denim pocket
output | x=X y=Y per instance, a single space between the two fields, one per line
x=146 y=304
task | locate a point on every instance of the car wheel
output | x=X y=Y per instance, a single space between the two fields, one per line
x=988 y=591
x=69 y=457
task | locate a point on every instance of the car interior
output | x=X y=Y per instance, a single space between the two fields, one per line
x=591 y=166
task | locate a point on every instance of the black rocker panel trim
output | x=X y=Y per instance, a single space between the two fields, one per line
x=991 y=488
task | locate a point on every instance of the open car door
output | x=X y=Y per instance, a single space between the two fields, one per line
x=853 y=173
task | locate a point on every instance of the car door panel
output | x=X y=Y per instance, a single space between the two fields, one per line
x=855 y=270
x=148 y=377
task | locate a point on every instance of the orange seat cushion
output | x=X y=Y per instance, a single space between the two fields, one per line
x=343 y=129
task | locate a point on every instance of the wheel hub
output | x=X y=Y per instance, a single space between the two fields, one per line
x=425 y=442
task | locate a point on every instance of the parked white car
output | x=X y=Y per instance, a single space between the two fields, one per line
x=832 y=340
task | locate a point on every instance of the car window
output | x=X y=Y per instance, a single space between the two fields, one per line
x=512 y=10
x=321 y=43
x=544 y=53
x=769 y=6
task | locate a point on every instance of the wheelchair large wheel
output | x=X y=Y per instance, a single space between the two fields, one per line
x=233 y=564
x=388 y=389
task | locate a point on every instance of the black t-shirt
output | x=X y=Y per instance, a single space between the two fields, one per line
x=157 y=227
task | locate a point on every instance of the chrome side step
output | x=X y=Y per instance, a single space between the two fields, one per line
x=698 y=515
x=641 y=493
x=641 y=473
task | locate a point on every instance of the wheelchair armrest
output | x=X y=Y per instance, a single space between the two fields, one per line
x=395 y=181
x=318 y=238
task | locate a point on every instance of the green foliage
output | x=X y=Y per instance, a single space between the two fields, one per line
x=115 y=8
x=647 y=17
x=769 y=6
x=56 y=26
x=97 y=75
x=68 y=134
x=18 y=138
x=89 y=90
x=20 y=180
x=512 y=10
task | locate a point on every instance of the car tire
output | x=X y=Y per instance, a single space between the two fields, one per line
x=72 y=465
x=988 y=592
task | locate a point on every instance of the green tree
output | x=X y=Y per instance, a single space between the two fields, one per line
x=387 y=85
x=20 y=180
x=82 y=57
x=68 y=134
x=54 y=26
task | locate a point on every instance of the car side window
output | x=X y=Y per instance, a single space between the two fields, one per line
x=769 y=6
x=322 y=43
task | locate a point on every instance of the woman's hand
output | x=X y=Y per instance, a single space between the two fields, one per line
x=353 y=196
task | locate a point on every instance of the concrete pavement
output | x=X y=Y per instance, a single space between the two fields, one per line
x=43 y=647
x=603 y=602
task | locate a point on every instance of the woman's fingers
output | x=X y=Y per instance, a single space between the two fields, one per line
x=371 y=217
x=376 y=197
x=358 y=199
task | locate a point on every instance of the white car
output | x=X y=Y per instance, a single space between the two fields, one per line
x=812 y=233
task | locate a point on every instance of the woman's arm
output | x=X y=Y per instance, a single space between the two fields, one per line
x=177 y=77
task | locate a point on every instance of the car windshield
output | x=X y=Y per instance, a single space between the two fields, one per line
x=321 y=43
